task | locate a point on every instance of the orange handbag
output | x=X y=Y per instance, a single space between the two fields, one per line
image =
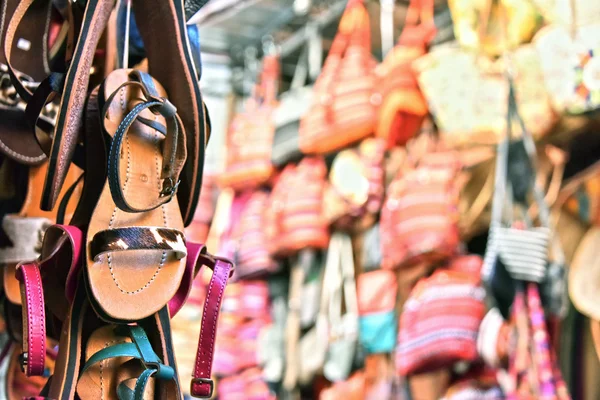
x=419 y=219
x=403 y=106
x=250 y=136
x=344 y=108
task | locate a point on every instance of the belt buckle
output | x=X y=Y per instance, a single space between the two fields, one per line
x=208 y=381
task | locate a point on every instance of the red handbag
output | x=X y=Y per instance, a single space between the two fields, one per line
x=420 y=214
x=250 y=136
x=440 y=322
x=403 y=106
x=344 y=108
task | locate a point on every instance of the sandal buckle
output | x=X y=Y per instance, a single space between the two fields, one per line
x=169 y=188
x=203 y=381
x=24 y=360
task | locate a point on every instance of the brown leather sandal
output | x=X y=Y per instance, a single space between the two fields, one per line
x=136 y=256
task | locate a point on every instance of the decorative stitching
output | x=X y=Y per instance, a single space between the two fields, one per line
x=20 y=156
x=102 y=367
x=142 y=381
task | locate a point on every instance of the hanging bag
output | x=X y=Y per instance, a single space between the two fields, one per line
x=250 y=136
x=344 y=109
x=403 y=107
x=570 y=60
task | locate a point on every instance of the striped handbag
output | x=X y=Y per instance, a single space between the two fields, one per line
x=250 y=136
x=403 y=106
x=440 y=322
x=295 y=219
x=252 y=255
x=420 y=214
x=344 y=108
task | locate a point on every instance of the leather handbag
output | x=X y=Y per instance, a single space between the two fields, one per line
x=569 y=60
x=344 y=109
x=419 y=216
x=439 y=322
x=294 y=103
x=467 y=94
x=295 y=219
x=403 y=107
x=250 y=136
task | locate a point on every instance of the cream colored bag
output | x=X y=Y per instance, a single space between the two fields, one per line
x=467 y=94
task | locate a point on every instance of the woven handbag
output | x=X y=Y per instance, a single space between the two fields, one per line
x=250 y=136
x=344 y=109
x=419 y=219
x=295 y=219
x=403 y=106
x=252 y=254
x=440 y=322
x=467 y=94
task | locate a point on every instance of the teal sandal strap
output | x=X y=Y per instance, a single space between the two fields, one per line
x=141 y=350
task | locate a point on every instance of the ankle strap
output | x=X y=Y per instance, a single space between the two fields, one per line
x=29 y=275
x=202 y=385
x=174 y=148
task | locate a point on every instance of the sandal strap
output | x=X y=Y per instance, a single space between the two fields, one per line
x=29 y=275
x=33 y=358
x=202 y=385
x=138 y=238
x=174 y=149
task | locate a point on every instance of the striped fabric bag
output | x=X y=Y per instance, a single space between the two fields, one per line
x=419 y=219
x=250 y=136
x=440 y=322
x=344 y=108
x=252 y=255
x=295 y=218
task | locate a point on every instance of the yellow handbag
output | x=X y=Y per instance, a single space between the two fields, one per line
x=494 y=26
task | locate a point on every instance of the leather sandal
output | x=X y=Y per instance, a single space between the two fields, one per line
x=180 y=78
x=137 y=251
x=38 y=41
x=60 y=141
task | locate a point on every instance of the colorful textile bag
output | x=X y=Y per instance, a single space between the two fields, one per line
x=570 y=60
x=378 y=323
x=420 y=214
x=344 y=109
x=403 y=106
x=295 y=218
x=250 y=137
x=252 y=254
x=440 y=322
x=467 y=94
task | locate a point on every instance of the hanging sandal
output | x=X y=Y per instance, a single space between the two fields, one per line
x=135 y=238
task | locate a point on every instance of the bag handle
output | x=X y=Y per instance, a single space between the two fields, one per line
x=419 y=16
x=311 y=58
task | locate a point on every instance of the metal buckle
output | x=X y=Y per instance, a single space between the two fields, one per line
x=208 y=381
x=169 y=188
x=24 y=360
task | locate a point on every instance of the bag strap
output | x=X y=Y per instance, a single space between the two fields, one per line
x=418 y=23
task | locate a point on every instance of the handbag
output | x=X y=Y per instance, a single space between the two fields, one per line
x=345 y=104
x=467 y=94
x=569 y=60
x=440 y=322
x=342 y=328
x=403 y=107
x=356 y=185
x=378 y=332
x=295 y=219
x=250 y=136
x=493 y=27
x=420 y=213
x=294 y=103
x=252 y=255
